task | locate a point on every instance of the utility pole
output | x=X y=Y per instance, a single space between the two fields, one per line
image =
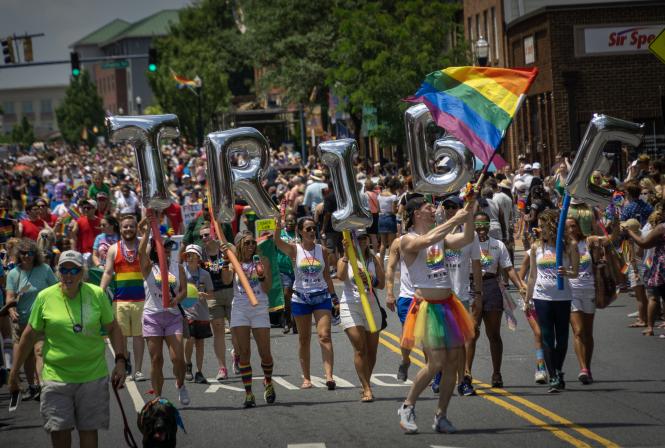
x=303 y=142
x=199 y=120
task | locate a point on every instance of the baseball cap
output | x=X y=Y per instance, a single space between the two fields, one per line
x=528 y=167
x=536 y=165
x=91 y=202
x=194 y=249
x=71 y=256
x=454 y=199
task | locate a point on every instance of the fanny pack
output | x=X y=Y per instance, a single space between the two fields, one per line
x=313 y=298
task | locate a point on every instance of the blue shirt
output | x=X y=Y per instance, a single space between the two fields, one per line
x=637 y=209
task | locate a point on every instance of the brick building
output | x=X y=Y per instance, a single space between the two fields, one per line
x=590 y=60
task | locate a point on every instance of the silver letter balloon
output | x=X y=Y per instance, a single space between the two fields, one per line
x=144 y=134
x=352 y=213
x=454 y=162
x=251 y=157
x=601 y=130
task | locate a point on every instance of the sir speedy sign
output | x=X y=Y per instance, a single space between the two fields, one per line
x=631 y=38
x=637 y=38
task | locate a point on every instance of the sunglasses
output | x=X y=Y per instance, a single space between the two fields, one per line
x=250 y=243
x=481 y=223
x=310 y=229
x=70 y=271
x=27 y=253
x=450 y=207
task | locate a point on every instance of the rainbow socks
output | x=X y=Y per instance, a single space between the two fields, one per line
x=267 y=372
x=246 y=374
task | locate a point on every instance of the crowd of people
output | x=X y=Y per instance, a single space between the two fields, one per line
x=79 y=263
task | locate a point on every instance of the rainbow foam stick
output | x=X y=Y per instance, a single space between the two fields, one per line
x=560 y=234
x=161 y=256
x=232 y=257
x=362 y=261
x=351 y=253
x=282 y=211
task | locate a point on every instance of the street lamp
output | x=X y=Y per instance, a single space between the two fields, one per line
x=138 y=104
x=482 y=51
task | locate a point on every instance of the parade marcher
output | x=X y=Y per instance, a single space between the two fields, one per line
x=493 y=258
x=69 y=316
x=24 y=282
x=127 y=290
x=219 y=305
x=286 y=271
x=127 y=202
x=354 y=321
x=85 y=229
x=583 y=307
x=388 y=215
x=110 y=235
x=30 y=227
x=552 y=305
x=313 y=294
x=247 y=320
x=199 y=287
x=162 y=324
x=403 y=302
x=444 y=325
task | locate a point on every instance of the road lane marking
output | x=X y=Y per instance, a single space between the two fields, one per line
x=282 y=382
x=317 y=381
x=212 y=388
x=374 y=379
x=498 y=401
x=133 y=391
x=306 y=445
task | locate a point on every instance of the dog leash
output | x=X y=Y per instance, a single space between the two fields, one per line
x=129 y=437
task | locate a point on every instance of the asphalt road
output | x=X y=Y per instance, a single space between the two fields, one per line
x=624 y=407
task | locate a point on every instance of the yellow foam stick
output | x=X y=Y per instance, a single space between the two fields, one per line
x=351 y=253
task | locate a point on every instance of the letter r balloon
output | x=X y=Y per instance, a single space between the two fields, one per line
x=351 y=212
x=225 y=179
x=144 y=133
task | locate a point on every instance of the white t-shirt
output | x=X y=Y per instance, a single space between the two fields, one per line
x=350 y=293
x=386 y=204
x=153 y=291
x=458 y=263
x=583 y=286
x=493 y=253
x=128 y=205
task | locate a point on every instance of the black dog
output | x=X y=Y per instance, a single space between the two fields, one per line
x=158 y=422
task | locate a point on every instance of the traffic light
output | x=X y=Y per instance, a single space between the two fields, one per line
x=8 y=50
x=76 y=65
x=152 y=59
x=27 y=49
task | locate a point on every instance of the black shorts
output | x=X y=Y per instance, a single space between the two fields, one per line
x=374 y=228
x=333 y=242
x=492 y=296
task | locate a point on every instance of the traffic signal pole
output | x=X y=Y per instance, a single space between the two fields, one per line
x=67 y=61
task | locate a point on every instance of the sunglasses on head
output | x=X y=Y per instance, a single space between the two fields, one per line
x=71 y=271
x=29 y=253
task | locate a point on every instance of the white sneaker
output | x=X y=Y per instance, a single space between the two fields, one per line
x=407 y=419
x=540 y=376
x=139 y=376
x=442 y=424
x=183 y=395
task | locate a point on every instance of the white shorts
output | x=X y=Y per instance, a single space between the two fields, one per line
x=584 y=302
x=246 y=315
x=352 y=314
x=636 y=276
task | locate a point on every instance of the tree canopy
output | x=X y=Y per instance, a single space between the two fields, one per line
x=82 y=109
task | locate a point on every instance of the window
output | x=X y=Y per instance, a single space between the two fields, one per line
x=8 y=108
x=26 y=107
x=46 y=106
x=469 y=29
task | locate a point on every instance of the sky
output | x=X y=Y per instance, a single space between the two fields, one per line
x=63 y=22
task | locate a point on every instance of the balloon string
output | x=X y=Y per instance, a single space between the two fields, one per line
x=351 y=253
x=161 y=256
x=232 y=256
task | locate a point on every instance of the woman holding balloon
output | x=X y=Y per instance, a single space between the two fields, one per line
x=313 y=295
x=352 y=316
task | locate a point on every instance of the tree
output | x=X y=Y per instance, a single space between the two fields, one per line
x=82 y=109
x=205 y=43
x=292 y=40
x=23 y=133
x=384 y=50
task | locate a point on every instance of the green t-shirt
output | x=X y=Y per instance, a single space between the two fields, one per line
x=93 y=190
x=30 y=282
x=284 y=261
x=268 y=249
x=71 y=357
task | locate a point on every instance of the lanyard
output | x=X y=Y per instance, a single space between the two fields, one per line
x=77 y=327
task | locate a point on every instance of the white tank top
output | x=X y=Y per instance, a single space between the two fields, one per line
x=428 y=270
x=546 y=284
x=153 y=291
x=350 y=293
x=406 y=288
x=309 y=270
x=240 y=295
x=584 y=282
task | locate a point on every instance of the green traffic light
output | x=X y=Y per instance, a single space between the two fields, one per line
x=152 y=67
x=76 y=72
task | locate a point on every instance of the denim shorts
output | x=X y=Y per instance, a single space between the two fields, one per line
x=302 y=309
x=387 y=223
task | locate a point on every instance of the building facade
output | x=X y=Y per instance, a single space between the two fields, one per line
x=592 y=58
x=37 y=104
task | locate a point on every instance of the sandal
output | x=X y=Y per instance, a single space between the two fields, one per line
x=637 y=324
x=306 y=384
x=331 y=385
x=647 y=332
x=497 y=380
x=366 y=398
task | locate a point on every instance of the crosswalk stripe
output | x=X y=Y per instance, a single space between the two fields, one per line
x=282 y=382
x=378 y=382
x=212 y=388
x=306 y=445
x=317 y=381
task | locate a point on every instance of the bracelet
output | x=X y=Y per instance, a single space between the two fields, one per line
x=120 y=356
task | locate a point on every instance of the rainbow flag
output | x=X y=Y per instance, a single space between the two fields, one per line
x=184 y=82
x=476 y=104
x=74 y=213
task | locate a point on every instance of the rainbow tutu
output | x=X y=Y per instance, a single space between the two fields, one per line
x=437 y=324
